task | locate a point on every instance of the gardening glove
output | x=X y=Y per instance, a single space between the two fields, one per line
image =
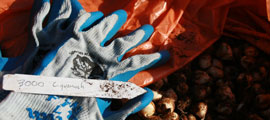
x=43 y=39
x=59 y=17
x=38 y=46
x=83 y=54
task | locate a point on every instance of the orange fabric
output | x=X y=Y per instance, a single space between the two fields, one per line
x=14 y=15
x=184 y=27
x=247 y=19
x=268 y=9
x=199 y=27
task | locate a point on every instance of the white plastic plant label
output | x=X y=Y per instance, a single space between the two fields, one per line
x=71 y=86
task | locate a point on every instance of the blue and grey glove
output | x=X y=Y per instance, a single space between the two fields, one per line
x=83 y=54
x=42 y=39
x=37 y=46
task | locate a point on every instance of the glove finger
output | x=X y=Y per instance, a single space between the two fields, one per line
x=103 y=104
x=86 y=20
x=126 y=43
x=80 y=21
x=61 y=9
x=131 y=107
x=131 y=66
x=93 y=18
x=76 y=9
x=3 y=62
x=107 y=27
x=40 y=10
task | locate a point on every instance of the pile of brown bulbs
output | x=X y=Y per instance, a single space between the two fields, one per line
x=229 y=81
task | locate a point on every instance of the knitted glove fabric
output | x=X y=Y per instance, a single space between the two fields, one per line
x=82 y=53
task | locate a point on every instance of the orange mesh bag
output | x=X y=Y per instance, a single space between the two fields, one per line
x=184 y=27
